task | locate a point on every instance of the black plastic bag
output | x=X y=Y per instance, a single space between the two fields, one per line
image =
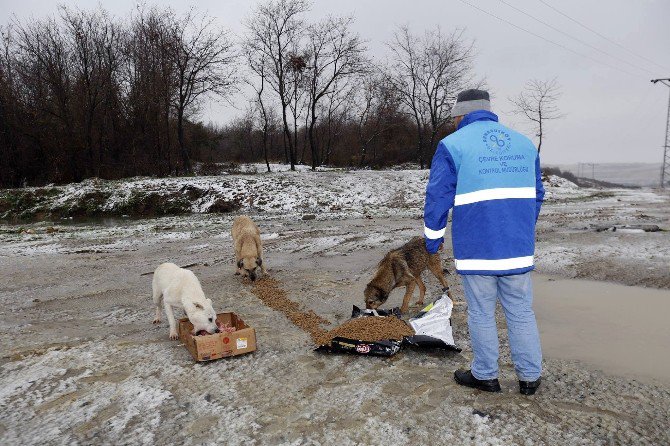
x=386 y=347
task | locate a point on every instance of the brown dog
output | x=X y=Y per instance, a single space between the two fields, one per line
x=248 y=247
x=403 y=267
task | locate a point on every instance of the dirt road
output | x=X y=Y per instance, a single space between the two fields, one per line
x=82 y=363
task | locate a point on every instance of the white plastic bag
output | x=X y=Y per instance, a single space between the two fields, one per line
x=434 y=321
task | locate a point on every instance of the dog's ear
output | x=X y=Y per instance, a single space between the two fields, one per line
x=259 y=261
x=240 y=263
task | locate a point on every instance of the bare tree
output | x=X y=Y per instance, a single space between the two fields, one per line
x=337 y=111
x=275 y=30
x=150 y=81
x=272 y=126
x=537 y=102
x=375 y=101
x=296 y=69
x=9 y=170
x=258 y=63
x=428 y=72
x=42 y=62
x=335 y=53
x=204 y=59
x=83 y=94
x=94 y=41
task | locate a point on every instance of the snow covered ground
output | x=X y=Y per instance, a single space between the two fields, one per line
x=82 y=363
x=566 y=241
x=334 y=193
x=329 y=194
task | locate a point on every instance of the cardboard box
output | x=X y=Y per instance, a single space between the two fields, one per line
x=219 y=345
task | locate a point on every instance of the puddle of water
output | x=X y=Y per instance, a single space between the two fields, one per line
x=621 y=330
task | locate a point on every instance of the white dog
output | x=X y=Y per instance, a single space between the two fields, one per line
x=178 y=287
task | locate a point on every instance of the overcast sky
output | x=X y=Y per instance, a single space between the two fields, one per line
x=612 y=113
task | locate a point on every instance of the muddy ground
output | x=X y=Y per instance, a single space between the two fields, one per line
x=82 y=363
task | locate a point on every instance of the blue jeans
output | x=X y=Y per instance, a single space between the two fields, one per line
x=516 y=297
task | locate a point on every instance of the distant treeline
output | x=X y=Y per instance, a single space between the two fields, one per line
x=85 y=94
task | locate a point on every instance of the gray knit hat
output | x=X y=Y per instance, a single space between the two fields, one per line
x=469 y=101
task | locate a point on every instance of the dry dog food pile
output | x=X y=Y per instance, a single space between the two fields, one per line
x=269 y=291
x=368 y=329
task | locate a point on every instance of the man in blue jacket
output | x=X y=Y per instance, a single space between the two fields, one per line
x=490 y=176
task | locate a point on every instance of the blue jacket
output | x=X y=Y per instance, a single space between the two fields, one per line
x=491 y=177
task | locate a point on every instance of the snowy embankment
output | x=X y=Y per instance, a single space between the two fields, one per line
x=332 y=194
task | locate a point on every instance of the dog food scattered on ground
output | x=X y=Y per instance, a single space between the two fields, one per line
x=364 y=334
x=269 y=291
x=369 y=329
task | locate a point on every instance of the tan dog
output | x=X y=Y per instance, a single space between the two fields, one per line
x=248 y=247
x=403 y=267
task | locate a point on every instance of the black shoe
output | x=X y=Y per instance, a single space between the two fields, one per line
x=529 y=387
x=465 y=378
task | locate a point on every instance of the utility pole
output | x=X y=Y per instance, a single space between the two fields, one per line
x=665 y=168
x=581 y=170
